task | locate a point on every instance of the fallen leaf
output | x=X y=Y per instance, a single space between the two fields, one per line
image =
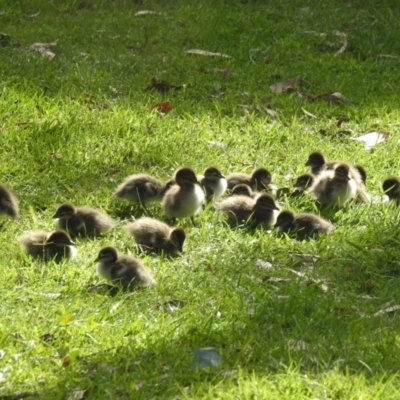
x=163 y=107
x=148 y=12
x=47 y=337
x=264 y=264
x=207 y=53
x=344 y=44
x=162 y=86
x=298 y=344
x=221 y=145
x=371 y=139
x=388 y=310
x=308 y=113
x=34 y=15
x=284 y=86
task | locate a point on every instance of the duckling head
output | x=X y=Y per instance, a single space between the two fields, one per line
x=363 y=173
x=284 y=221
x=178 y=237
x=261 y=178
x=242 y=190
x=304 y=181
x=265 y=203
x=106 y=255
x=316 y=160
x=391 y=186
x=213 y=174
x=60 y=239
x=185 y=176
x=65 y=211
x=342 y=172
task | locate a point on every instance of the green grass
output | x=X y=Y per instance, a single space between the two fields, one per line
x=74 y=127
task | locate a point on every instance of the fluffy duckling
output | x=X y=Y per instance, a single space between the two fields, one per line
x=265 y=211
x=122 y=270
x=334 y=187
x=238 y=208
x=82 y=221
x=141 y=189
x=318 y=164
x=213 y=183
x=303 y=225
x=243 y=190
x=153 y=235
x=241 y=209
x=185 y=198
x=8 y=203
x=391 y=188
x=259 y=180
x=49 y=245
x=302 y=183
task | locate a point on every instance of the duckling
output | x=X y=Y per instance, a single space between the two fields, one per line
x=304 y=225
x=318 y=163
x=141 y=189
x=243 y=190
x=334 y=187
x=391 y=188
x=82 y=221
x=49 y=245
x=153 y=235
x=302 y=183
x=8 y=203
x=241 y=209
x=259 y=180
x=122 y=270
x=237 y=209
x=265 y=211
x=213 y=182
x=185 y=198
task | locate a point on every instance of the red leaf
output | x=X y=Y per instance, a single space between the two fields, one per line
x=163 y=107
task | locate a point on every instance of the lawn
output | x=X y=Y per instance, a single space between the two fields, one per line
x=289 y=319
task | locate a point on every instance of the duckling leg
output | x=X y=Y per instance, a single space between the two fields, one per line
x=192 y=219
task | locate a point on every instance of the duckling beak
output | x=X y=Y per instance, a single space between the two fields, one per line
x=276 y=208
x=55 y=215
x=96 y=260
x=307 y=163
x=71 y=243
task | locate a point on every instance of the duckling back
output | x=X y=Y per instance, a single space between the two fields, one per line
x=237 y=209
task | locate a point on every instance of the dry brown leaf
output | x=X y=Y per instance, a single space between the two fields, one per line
x=163 y=107
x=148 y=12
x=43 y=49
x=78 y=394
x=285 y=86
x=371 y=139
x=298 y=344
x=309 y=114
x=344 y=43
x=207 y=53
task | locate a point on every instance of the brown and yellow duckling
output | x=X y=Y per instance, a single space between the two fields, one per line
x=122 y=270
x=185 y=198
x=156 y=236
x=82 y=221
x=303 y=225
x=49 y=245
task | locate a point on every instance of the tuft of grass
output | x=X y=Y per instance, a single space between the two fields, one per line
x=316 y=321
